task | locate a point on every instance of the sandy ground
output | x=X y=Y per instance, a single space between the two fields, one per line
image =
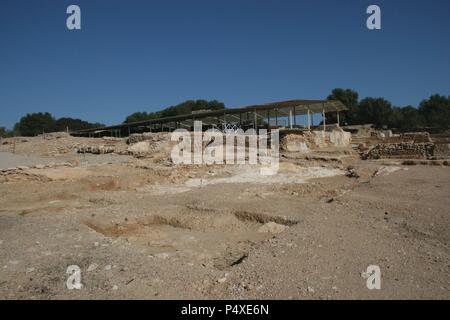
x=138 y=229
x=9 y=160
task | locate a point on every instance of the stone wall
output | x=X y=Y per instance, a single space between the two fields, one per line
x=152 y=136
x=96 y=149
x=402 y=150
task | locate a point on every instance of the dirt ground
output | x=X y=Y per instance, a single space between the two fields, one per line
x=140 y=228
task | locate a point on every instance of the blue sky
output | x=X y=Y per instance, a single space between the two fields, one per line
x=138 y=55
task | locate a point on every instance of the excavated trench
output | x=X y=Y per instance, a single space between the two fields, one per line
x=219 y=239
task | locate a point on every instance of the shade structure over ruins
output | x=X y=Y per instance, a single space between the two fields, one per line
x=268 y=115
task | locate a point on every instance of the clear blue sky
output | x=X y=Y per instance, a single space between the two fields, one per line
x=138 y=55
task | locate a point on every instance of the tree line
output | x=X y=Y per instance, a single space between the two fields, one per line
x=432 y=113
x=33 y=124
x=183 y=108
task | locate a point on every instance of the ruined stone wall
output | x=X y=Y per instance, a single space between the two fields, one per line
x=413 y=137
x=402 y=150
x=96 y=149
x=152 y=136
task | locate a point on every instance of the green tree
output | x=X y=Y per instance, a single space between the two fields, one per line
x=183 y=108
x=406 y=118
x=5 y=133
x=349 y=98
x=74 y=124
x=137 y=116
x=35 y=123
x=375 y=110
x=435 y=111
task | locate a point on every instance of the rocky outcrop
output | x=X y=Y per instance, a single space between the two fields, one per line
x=305 y=141
x=296 y=142
x=340 y=138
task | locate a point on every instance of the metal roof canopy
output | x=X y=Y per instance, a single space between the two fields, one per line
x=274 y=109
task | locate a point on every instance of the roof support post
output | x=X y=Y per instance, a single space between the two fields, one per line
x=255 y=120
x=309 y=120
x=324 y=122
x=268 y=119
x=295 y=117
x=290 y=118
x=338 y=122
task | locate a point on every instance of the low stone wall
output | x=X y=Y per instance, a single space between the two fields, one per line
x=96 y=149
x=152 y=136
x=402 y=150
x=416 y=137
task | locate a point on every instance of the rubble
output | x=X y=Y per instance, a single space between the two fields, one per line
x=351 y=172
